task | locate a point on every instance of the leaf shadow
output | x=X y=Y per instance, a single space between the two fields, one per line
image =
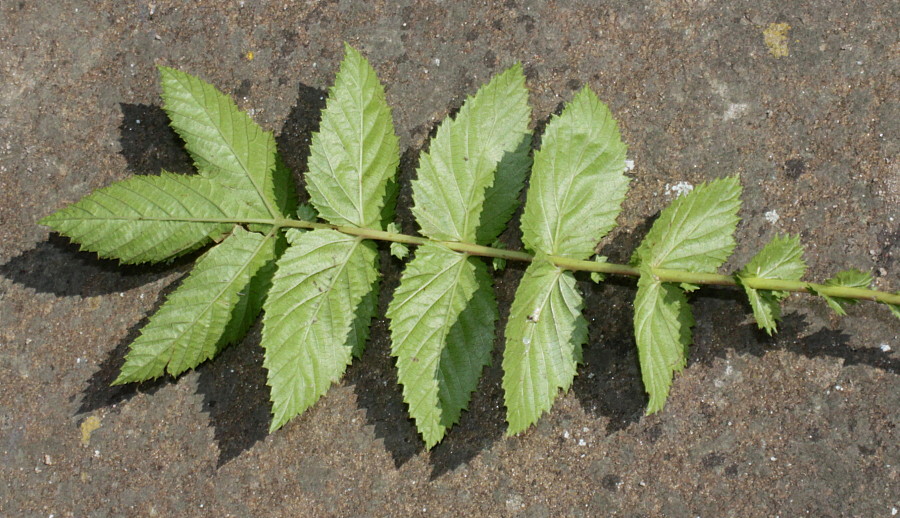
x=236 y=397
x=99 y=391
x=296 y=133
x=716 y=309
x=57 y=266
x=374 y=377
x=609 y=383
x=148 y=144
x=609 y=380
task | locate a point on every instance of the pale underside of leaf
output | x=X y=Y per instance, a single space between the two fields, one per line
x=781 y=258
x=312 y=316
x=355 y=152
x=452 y=178
x=577 y=185
x=441 y=326
x=695 y=232
x=544 y=336
x=195 y=321
x=152 y=218
x=662 y=330
x=223 y=141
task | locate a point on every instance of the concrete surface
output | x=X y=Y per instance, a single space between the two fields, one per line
x=798 y=98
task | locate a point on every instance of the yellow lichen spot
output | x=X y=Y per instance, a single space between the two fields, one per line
x=775 y=37
x=249 y=55
x=87 y=428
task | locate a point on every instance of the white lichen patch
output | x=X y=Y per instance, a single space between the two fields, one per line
x=772 y=216
x=679 y=189
x=735 y=110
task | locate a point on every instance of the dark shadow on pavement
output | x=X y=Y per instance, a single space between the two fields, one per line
x=296 y=134
x=99 y=392
x=236 y=397
x=149 y=144
x=609 y=381
x=57 y=266
x=374 y=377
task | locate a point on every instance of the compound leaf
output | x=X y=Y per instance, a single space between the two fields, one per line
x=455 y=174
x=781 y=258
x=435 y=330
x=195 y=321
x=355 y=152
x=662 y=330
x=224 y=142
x=696 y=232
x=852 y=278
x=544 y=335
x=319 y=300
x=152 y=218
x=577 y=185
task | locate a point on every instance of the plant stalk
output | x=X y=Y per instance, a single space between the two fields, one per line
x=662 y=274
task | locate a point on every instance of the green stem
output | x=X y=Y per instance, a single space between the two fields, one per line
x=661 y=274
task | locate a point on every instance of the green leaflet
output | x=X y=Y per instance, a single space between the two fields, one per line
x=895 y=308
x=577 y=186
x=781 y=258
x=696 y=232
x=398 y=250
x=224 y=142
x=662 y=330
x=152 y=218
x=195 y=321
x=441 y=326
x=852 y=278
x=544 y=335
x=251 y=300
x=501 y=199
x=319 y=300
x=575 y=194
x=467 y=349
x=355 y=152
x=598 y=277
x=456 y=173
